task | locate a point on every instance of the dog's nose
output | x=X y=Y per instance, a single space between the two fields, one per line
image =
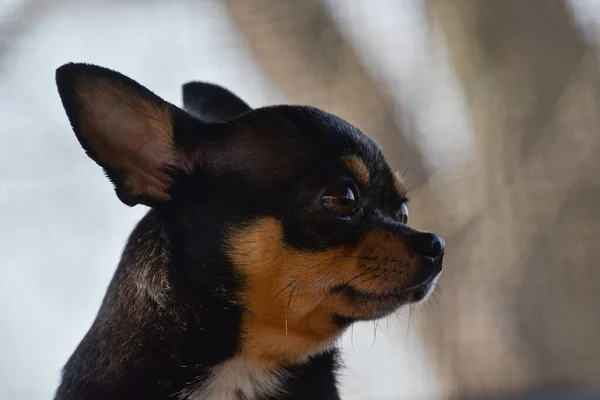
x=428 y=244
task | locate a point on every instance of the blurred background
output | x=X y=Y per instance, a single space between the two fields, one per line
x=491 y=107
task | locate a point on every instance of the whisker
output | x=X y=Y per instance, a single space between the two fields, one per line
x=287 y=313
x=251 y=251
x=359 y=275
x=371 y=278
x=278 y=293
x=438 y=290
x=297 y=291
x=374 y=334
x=435 y=297
x=358 y=257
x=405 y=171
x=379 y=328
x=386 y=331
x=410 y=311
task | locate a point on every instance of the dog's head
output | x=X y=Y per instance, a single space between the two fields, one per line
x=298 y=204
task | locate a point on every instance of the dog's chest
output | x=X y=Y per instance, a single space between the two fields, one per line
x=237 y=379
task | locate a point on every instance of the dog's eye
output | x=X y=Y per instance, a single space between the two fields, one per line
x=340 y=200
x=402 y=214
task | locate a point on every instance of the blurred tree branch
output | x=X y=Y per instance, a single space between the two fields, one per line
x=301 y=49
x=531 y=83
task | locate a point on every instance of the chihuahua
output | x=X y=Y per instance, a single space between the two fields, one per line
x=269 y=232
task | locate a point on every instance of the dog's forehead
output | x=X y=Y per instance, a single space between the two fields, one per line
x=340 y=142
x=291 y=136
x=344 y=144
x=318 y=130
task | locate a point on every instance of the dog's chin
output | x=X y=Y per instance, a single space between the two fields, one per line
x=374 y=305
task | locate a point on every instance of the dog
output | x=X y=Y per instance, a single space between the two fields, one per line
x=269 y=232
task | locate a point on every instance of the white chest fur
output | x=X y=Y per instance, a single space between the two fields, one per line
x=237 y=379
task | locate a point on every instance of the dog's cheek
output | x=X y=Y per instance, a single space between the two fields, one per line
x=287 y=291
x=275 y=271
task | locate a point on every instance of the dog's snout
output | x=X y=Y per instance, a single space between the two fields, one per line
x=428 y=244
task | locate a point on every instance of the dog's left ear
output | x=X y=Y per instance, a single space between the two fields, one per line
x=212 y=103
x=125 y=128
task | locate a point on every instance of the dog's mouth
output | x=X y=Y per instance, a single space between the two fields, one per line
x=367 y=305
x=401 y=295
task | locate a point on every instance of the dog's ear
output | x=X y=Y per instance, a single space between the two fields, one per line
x=125 y=128
x=212 y=103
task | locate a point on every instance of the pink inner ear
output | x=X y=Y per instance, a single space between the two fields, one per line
x=131 y=134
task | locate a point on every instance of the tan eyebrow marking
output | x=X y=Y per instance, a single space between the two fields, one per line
x=358 y=169
x=399 y=184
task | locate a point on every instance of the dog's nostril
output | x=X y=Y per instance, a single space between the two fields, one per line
x=428 y=244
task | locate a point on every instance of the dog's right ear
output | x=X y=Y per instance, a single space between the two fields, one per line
x=212 y=103
x=125 y=128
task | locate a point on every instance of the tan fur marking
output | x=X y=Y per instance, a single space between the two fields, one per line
x=358 y=169
x=130 y=133
x=289 y=298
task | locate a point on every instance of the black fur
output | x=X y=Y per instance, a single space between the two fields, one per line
x=171 y=312
x=212 y=103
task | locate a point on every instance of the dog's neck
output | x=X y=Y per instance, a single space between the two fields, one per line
x=148 y=341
